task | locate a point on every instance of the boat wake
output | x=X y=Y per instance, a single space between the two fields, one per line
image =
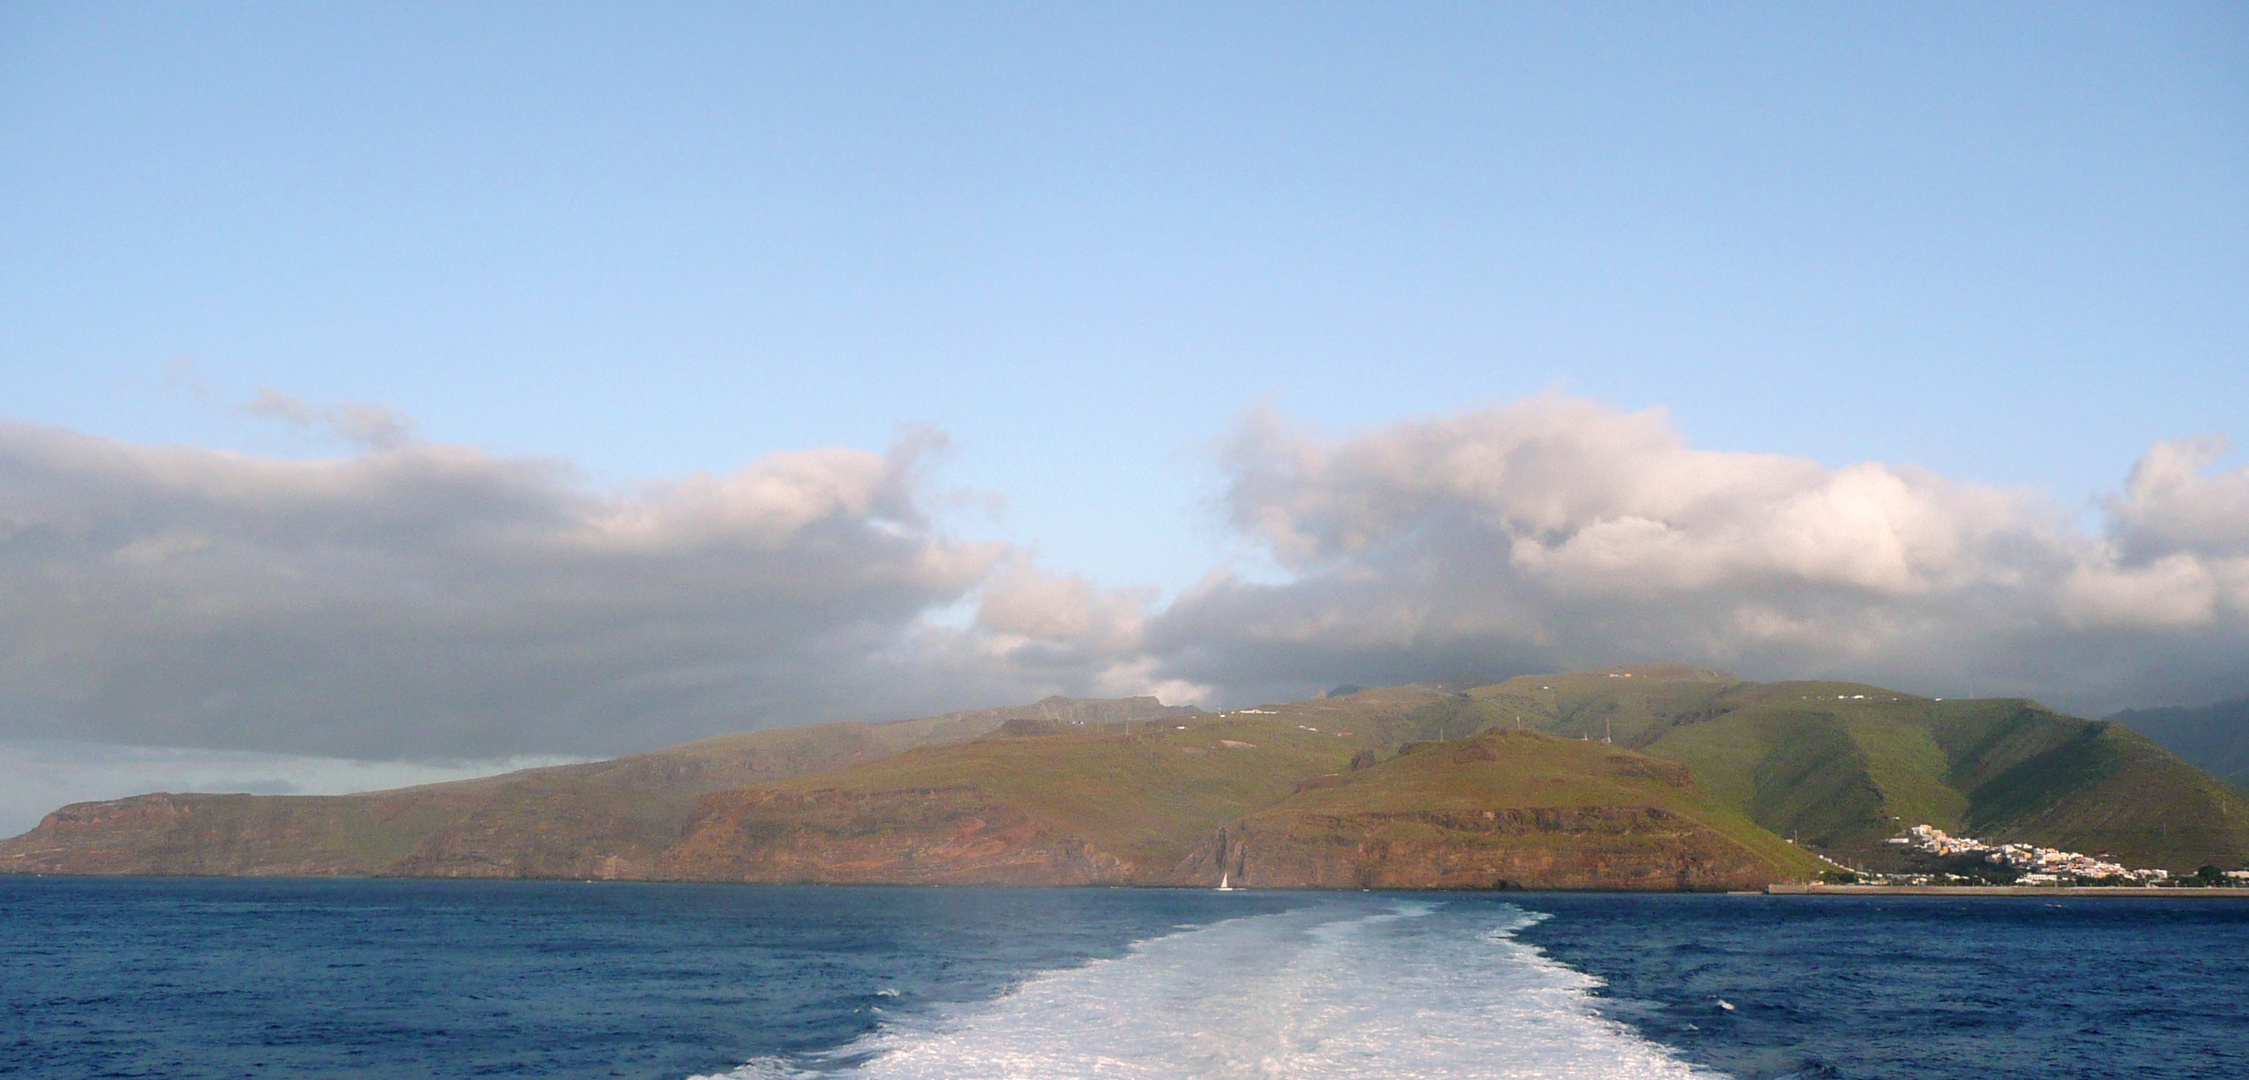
x=1355 y=988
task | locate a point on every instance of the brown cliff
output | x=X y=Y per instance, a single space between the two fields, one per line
x=1330 y=792
x=928 y=836
x=1307 y=794
x=1250 y=798
x=604 y=819
x=1501 y=810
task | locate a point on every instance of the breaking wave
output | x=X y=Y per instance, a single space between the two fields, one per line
x=1355 y=988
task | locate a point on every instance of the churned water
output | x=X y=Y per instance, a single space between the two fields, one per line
x=248 y=978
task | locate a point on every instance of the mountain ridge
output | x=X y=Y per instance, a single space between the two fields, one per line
x=2213 y=738
x=1675 y=776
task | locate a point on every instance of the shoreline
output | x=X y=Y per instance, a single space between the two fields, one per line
x=1776 y=889
x=2199 y=893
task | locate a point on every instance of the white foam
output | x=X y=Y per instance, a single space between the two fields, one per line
x=1355 y=988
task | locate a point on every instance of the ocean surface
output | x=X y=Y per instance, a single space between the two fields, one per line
x=188 y=978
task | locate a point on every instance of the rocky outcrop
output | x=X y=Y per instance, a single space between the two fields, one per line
x=1056 y=793
x=187 y=834
x=1500 y=810
x=1404 y=787
x=937 y=836
x=603 y=819
x=1590 y=847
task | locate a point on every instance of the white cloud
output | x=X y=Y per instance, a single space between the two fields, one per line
x=435 y=601
x=1556 y=533
x=413 y=601
x=2172 y=503
x=370 y=427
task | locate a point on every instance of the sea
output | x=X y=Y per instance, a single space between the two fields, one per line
x=189 y=978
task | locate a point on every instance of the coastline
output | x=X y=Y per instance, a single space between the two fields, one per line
x=2219 y=893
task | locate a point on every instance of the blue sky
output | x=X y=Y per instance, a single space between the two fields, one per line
x=399 y=391
x=2002 y=242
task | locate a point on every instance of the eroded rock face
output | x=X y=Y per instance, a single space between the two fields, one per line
x=1600 y=847
x=1271 y=797
x=942 y=836
x=95 y=833
x=182 y=834
x=609 y=819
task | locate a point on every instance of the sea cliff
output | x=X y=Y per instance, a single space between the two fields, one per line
x=1659 y=777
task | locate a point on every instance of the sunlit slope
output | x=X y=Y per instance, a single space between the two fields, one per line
x=1498 y=810
x=1064 y=809
x=1843 y=772
x=1842 y=766
x=1629 y=705
x=1121 y=804
x=600 y=819
x=1069 y=791
x=2090 y=786
x=1181 y=802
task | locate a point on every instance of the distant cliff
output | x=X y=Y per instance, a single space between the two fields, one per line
x=1262 y=797
x=607 y=819
x=1500 y=810
x=1510 y=785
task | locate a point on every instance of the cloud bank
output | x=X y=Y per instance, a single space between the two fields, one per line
x=1557 y=533
x=431 y=601
x=427 y=602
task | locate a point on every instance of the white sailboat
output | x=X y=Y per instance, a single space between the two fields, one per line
x=1222 y=885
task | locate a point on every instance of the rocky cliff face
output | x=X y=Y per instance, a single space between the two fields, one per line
x=1599 y=847
x=1500 y=810
x=185 y=834
x=605 y=819
x=941 y=836
x=1314 y=794
x=1406 y=787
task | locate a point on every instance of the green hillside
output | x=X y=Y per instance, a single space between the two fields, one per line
x=599 y=819
x=1504 y=808
x=1584 y=779
x=1156 y=806
x=2214 y=738
x=1120 y=803
x=1842 y=766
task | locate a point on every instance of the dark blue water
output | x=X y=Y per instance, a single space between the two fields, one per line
x=1998 y=987
x=203 y=977
x=244 y=978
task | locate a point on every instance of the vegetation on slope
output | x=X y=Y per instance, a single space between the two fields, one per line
x=1119 y=804
x=1159 y=806
x=2214 y=738
x=1400 y=785
x=1843 y=766
x=600 y=819
x=1502 y=809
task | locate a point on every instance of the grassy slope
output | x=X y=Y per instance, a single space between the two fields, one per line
x=1839 y=766
x=1630 y=704
x=1144 y=796
x=2214 y=738
x=1832 y=773
x=1507 y=770
x=1844 y=774
x=2092 y=786
x=1142 y=803
x=1842 y=766
x=564 y=821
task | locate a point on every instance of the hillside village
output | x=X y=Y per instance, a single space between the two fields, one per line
x=2029 y=864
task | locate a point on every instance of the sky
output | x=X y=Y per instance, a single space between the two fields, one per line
x=397 y=391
